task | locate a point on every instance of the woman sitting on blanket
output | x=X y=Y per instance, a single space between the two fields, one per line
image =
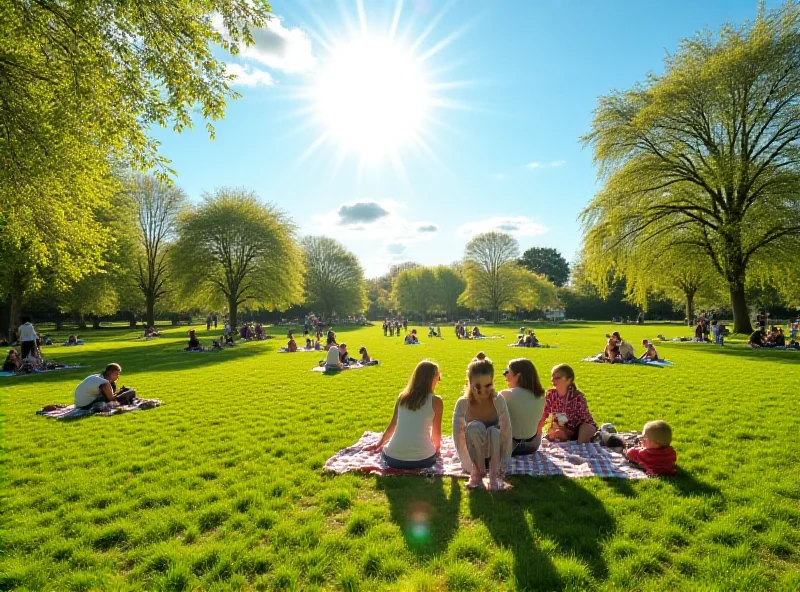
x=531 y=340
x=520 y=341
x=414 y=435
x=344 y=356
x=292 y=345
x=624 y=348
x=331 y=338
x=318 y=343
x=611 y=352
x=102 y=388
x=365 y=359
x=333 y=362
x=650 y=352
x=482 y=426
x=194 y=342
x=476 y=332
x=570 y=419
x=13 y=362
x=411 y=338
x=309 y=345
x=525 y=400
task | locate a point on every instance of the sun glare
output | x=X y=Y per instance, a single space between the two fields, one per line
x=372 y=96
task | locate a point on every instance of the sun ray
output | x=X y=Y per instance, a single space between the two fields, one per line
x=431 y=26
x=362 y=16
x=398 y=9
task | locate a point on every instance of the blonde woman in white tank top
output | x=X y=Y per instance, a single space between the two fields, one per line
x=414 y=435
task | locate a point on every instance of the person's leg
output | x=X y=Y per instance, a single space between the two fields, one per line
x=493 y=438
x=476 y=440
x=586 y=432
x=26 y=348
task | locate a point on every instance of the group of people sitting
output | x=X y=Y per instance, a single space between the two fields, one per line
x=775 y=337
x=250 y=331
x=338 y=358
x=618 y=350
x=463 y=333
x=489 y=427
x=527 y=339
x=715 y=328
x=391 y=327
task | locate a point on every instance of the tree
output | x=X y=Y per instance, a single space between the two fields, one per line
x=449 y=286
x=156 y=207
x=490 y=271
x=415 y=290
x=706 y=155
x=235 y=249
x=547 y=262
x=334 y=278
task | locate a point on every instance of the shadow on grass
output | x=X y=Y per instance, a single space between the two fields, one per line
x=687 y=485
x=426 y=514
x=561 y=511
x=745 y=352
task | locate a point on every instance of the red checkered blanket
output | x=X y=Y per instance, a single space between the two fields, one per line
x=569 y=459
x=70 y=412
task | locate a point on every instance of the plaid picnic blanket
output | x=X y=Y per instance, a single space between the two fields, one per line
x=70 y=412
x=67 y=367
x=657 y=363
x=569 y=459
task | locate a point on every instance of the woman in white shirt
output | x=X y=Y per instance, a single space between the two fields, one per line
x=414 y=436
x=28 y=339
x=525 y=400
x=481 y=426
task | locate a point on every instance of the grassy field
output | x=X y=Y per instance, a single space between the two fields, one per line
x=222 y=487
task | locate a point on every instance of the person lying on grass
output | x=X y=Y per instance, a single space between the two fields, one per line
x=482 y=426
x=570 y=419
x=655 y=454
x=650 y=352
x=13 y=362
x=525 y=400
x=414 y=435
x=102 y=388
x=411 y=338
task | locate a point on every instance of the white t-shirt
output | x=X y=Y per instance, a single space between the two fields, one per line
x=525 y=410
x=333 y=356
x=412 y=435
x=27 y=332
x=88 y=390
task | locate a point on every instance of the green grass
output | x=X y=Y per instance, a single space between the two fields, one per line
x=222 y=488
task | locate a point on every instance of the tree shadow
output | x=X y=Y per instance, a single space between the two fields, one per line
x=687 y=485
x=559 y=509
x=425 y=513
x=744 y=352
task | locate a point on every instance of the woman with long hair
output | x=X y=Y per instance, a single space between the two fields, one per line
x=525 y=399
x=481 y=426
x=414 y=435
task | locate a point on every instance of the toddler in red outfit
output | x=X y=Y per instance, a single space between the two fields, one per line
x=655 y=454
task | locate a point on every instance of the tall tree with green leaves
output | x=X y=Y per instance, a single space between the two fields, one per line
x=415 y=291
x=234 y=250
x=334 y=278
x=156 y=206
x=707 y=155
x=449 y=287
x=490 y=270
x=547 y=262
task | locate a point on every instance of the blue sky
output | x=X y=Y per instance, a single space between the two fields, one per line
x=468 y=119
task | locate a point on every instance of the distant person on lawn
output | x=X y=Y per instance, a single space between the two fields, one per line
x=565 y=402
x=13 y=362
x=525 y=400
x=194 y=342
x=482 y=426
x=756 y=339
x=28 y=339
x=333 y=362
x=650 y=352
x=655 y=454
x=102 y=388
x=292 y=345
x=414 y=435
x=411 y=338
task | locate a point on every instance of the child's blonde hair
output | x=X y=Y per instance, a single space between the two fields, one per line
x=658 y=432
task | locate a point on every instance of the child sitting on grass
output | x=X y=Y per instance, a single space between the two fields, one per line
x=655 y=454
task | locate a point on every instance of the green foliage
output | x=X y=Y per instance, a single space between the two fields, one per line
x=334 y=278
x=449 y=287
x=705 y=157
x=547 y=262
x=233 y=249
x=416 y=291
x=208 y=495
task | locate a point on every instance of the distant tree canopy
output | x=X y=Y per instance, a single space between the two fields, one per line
x=334 y=278
x=705 y=157
x=547 y=262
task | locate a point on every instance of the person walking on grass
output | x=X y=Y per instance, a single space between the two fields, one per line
x=482 y=426
x=28 y=339
x=414 y=435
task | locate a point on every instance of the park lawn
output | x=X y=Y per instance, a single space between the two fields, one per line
x=222 y=487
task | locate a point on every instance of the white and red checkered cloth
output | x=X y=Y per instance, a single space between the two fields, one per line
x=569 y=459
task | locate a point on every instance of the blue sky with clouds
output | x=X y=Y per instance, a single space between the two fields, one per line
x=468 y=119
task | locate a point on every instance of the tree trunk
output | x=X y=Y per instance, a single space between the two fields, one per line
x=95 y=322
x=233 y=307
x=15 y=305
x=59 y=320
x=689 y=307
x=149 y=315
x=741 y=317
x=81 y=322
x=132 y=319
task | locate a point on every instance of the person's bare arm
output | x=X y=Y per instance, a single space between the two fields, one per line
x=387 y=434
x=107 y=391
x=436 y=428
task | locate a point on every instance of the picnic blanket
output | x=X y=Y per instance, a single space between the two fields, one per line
x=68 y=344
x=542 y=345
x=67 y=367
x=70 y=412
x=284 y=350
x=323 y=369
x=569 y=459
x=199 y=350
x=657 y=363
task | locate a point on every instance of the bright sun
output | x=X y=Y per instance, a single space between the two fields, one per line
x=372 y=97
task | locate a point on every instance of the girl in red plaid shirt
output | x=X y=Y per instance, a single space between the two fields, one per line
x=564 y=401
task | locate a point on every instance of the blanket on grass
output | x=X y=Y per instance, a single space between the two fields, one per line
x=569 y=459
x=67 y=367
x=357 y=366
x=284 y=350
x=542 y=345
x=199 y=350
x=657 y=363
x=70 y=412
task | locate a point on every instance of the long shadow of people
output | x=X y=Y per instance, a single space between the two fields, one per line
x=426 y=514
x=556 y=508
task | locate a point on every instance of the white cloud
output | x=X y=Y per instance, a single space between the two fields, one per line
x=248 y=76
x=282 y=48
x=517 y=226
x=546 y=165
x=361 y=212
